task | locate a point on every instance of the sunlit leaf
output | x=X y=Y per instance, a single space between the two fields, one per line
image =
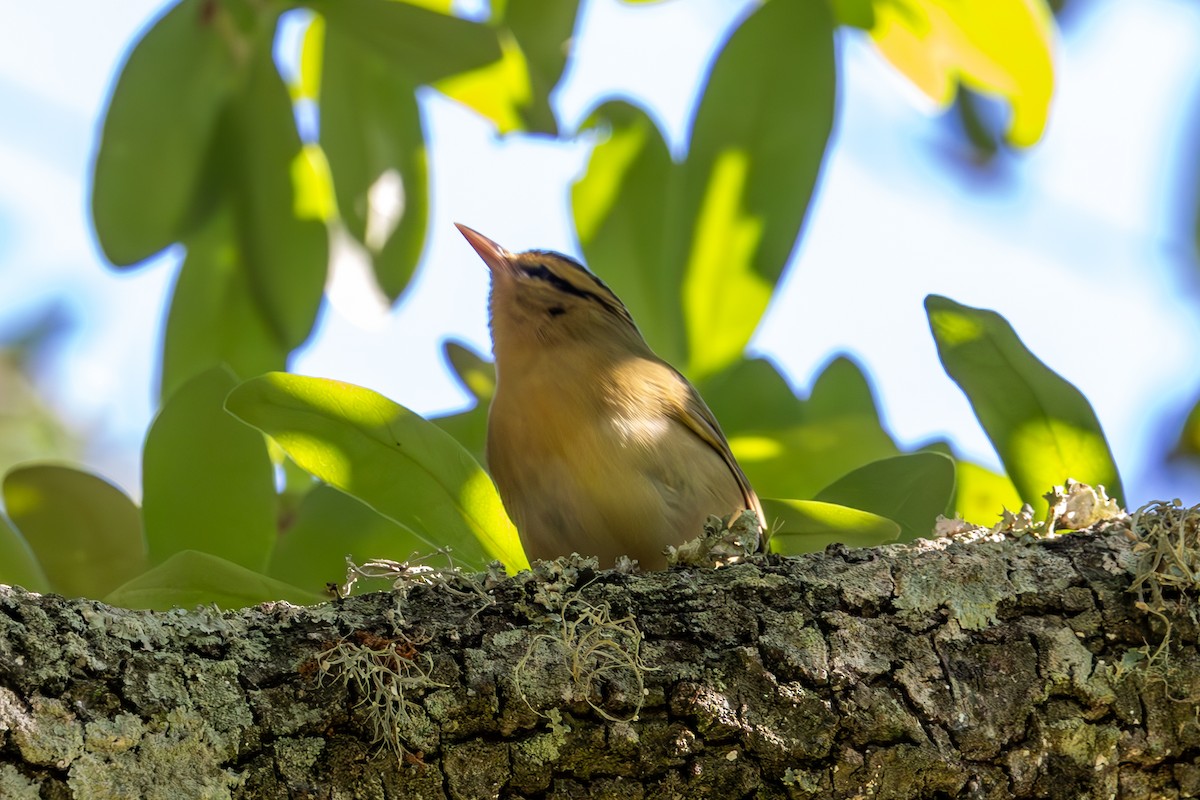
x=279 y=226
x=1188 y=443
x=981 y=495
x=996 y=47
x=191 y=578
x=805 y=526
x=158 y=127
x=476 y=374
x=514 y=92
x=371 y=133
x=422 y=44
x=85 y=532
x=401 y=465
x=18 y=565
x=1042 y=427
x=327 y=527
x=207 y=481
x=911 y=489
x=715 y=232
x=214 y=317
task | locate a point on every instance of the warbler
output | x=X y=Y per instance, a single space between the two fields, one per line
x=596 y=444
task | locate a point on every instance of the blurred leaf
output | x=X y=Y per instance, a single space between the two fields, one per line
x=1188 y=444
x=279 y=223
x=910 y=489
x=191 y=578
x=207 y=481
x=478 y=377
x=158 y=126
x=421 y=44
x=997 y=47
x=716 y=231
x=751 y=395
x=627 y=215
x=214 y=318
x=855 y=13
x=85 y=532
x=806 y=526
x=390 y=458
x=514 y=92
x=982 y=495
x=18 y=566
x=330 y=525
x=476 y=374
x=371 y=133
x=841 y=389
x=1043 y=429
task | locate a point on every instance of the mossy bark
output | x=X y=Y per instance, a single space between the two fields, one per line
x=980 y=669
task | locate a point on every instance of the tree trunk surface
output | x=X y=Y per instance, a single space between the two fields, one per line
x=989 y=668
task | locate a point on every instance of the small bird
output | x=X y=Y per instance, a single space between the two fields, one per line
x=596 y=444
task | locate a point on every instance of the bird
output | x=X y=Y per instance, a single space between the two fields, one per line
x=597 y=446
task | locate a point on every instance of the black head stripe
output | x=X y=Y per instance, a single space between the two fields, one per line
x=599 y=292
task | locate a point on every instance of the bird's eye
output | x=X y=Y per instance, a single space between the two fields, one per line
x=555 y=311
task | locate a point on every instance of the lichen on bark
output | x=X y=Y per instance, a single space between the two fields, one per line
x=981 y=669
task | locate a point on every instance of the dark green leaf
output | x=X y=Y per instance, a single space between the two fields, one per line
x=18 y=566
x=841 y=389
x=1042 y=427
x=371 y=134
x=85 y=532
x=910 y=489
x=330 y=525
x=806 y=526
x=543 y=31
x=422 y=44
x=476 y=374
x=214 y=318
x=856 y=13
x=751 y=395
x=158 y=127
x=399 y=464
x=207 y=481
x=191 y=578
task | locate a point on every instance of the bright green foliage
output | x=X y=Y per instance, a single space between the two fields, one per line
x=399 y=464
x=190 y=578
x=911 y=490
x=1044 y=430
x=160 y=120
x=214 y=318
x=18 y=566
x=478 y=376
x=329 y=526
x=804 y=526
x=371 y=134
x=694 y=249
x=85 y=533
x=207 y=481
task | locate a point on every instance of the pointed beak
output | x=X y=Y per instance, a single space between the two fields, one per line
x=496 y=257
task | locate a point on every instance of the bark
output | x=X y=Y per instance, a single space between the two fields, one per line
x=980 y=669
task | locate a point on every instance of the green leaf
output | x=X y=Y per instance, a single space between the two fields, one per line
x=371 y=133
x=1188 y=444
x=627 y=211
x=981 y=495
x=279 y=209
x=158 y=127
x=207 y=481
x=328 y=526
x=85 y=532
x=751 y=395
x=1042 y=427
x=476 y=374
x=214 y=317
x=910 y=489
x=18 y=566
x=855 y=13
x=191 y=578
x=399 y=464
x=841 y=389
x=422 y=44
x=806 y=526
x=715 y=232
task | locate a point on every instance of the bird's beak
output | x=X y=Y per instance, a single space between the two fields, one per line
x=496 y=257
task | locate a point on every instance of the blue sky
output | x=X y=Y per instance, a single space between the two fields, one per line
x=1079 y=242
